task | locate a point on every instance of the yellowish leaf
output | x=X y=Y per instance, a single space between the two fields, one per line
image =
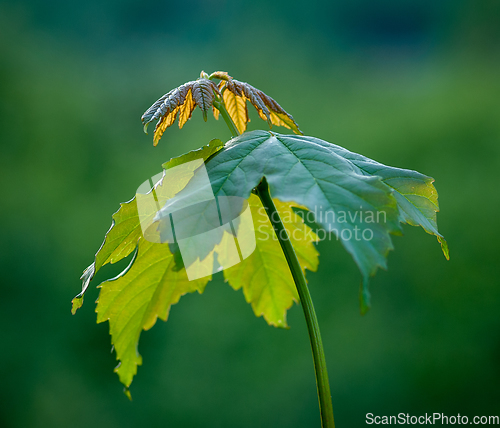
x=237 y=108
x=186 y=109
x=132 y=302
x=216 y=113
x=163 y=124
x=265 y=276
x=202 y=92
x=267 y=108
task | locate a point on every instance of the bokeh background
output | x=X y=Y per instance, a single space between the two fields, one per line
x=414 y=84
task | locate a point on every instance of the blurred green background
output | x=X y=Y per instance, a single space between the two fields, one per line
x=414 y=84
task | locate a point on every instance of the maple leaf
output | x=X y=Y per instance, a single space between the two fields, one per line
x=345 y=191
x=152 y=283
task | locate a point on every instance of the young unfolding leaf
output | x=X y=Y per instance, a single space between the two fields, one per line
x=182 y=101
x=222 y=75
x=237 y=108
x=202 y=92
x=268 y=109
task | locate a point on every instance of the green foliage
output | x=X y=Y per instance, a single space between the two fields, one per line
x=265 y=276
x=350 y=190
x=347 y=194
x=152 y=282
x=125 y=231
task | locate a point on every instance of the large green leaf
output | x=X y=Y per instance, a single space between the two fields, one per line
x=415 y=194
x=301 y=170
x=359 y=200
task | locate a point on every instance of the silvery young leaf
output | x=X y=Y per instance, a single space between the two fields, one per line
x=181 y=100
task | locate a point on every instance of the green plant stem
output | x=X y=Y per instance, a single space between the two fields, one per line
x=322 y=383
x=324 y=395
x=219 y=105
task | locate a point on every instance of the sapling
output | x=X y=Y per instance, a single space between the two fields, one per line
x=239 y=207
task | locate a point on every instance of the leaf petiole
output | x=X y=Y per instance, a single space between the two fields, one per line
x=219 y=105
x=322 y=383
